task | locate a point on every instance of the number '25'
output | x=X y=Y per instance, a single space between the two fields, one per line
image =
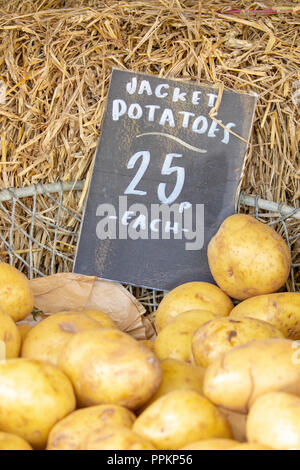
x=167 y=169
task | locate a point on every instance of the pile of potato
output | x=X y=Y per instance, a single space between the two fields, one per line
x=217 y=376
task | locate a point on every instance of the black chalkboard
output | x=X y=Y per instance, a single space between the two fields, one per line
x=165 y=176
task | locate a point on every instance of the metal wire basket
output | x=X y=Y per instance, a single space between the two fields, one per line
x=40 y=226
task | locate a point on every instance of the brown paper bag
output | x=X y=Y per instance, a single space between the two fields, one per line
x=68 y=291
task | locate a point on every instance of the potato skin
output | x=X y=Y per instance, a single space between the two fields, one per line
x=211 y=444
x=108 y=366
x=71 y=432
x=220 y=335
x=33 y=397
x=10 y=335
x=248 y=258
x=237 y=378
x=281 y=310
x=274 y=421
x=48 y=338
x=12 y=442
x=181 y=417
x=192 y=296
x=101 y=317
x=116 y=438
x=16 y=297
x=250 y=446
x=175 y=339
x=178 y=375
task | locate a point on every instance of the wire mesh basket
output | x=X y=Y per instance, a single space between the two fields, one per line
x=40 y=226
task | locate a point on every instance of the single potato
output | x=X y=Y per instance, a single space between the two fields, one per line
x=222 y=334
x=250 y=446
x=240 y=376
x=48 y=338
x=116 y=438
x=33 y=397
x=181 y=417
x=274 y=421
x=211 y=444
x=71 y=432
x=237 y=423
x=12 y=442
x=178 y=375
x=175 y=339
x=192 y=296
x=10 y=336
x=23 y=328
x=16 y=298
x=248 y=258
x=108 y=366
x=281 y=310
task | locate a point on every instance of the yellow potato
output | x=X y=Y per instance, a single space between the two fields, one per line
x=48 y=338
x=223 y=334
x=250 y=446
x=274 y=421
x=237 y=378
x=71 y=432
x=181 y=417
x=192 y=296
x=281 y=310
x=178 y=375
x=148 y=343
x=10 y=335
x=23 y=328
x=248 y=258
x=12 y=442
x=175 y=339
x=211 y=444
x=16 y=298
x=116 y=438
x=237 y=423
x=33 y=397
x=108 y=366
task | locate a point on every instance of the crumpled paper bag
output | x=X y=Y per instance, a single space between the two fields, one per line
x=70 y=291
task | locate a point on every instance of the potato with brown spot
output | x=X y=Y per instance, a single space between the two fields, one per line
x=248 y=258
x=12 y=442
x=116 y=438
x=175 y=339
x=223 y=334
x=281 y=310
x=33 y=397
x=71 y=432
x=192 y=296
x=10 y=336
x=108 y=366
x=274 y=421
x=239 y=377
x=16 y=297
x=48 y=338
x=181 y=417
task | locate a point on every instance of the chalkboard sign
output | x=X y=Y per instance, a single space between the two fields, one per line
x=165 y=177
